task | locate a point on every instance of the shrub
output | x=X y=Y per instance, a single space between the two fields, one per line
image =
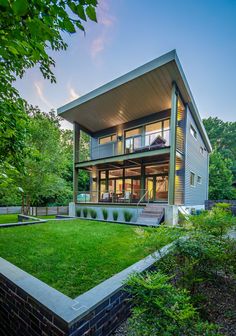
x=115 y=215
x=78 y=212
x=128 y=216
x=85 y=212
x=162 y=309
x=216 y=222
x=93 y=213
x=199 y=259
x=105 y=214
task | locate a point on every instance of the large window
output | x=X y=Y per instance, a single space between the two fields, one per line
x=136 y=171
x=157 y=169
x=109 y=138
x=133 y=140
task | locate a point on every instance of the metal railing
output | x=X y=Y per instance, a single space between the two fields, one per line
x=145 y=197
x=147 y=141
x=131 y=144
x=111 y=196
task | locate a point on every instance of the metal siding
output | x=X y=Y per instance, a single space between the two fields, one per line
x=197 y=163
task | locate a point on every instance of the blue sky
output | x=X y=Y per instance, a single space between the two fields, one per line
x=130 y=33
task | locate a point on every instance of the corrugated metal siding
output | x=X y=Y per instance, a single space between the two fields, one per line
x=197 y=163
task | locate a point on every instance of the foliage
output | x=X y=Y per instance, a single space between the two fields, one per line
x=220 y=177
x=93 y=213
x=222 y=137
x=28 y=31
x=128 y=216
x=105 y=214
x=115 y=215
x=216 y=222
x=78 y=212
x=49 y=155
x=162 y=309
x=157 y=237
x=207 y=253
x=85 y=212
x=73 y=255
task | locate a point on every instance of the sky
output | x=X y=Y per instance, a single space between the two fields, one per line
x=130 y=33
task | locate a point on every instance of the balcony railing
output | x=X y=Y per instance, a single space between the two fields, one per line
x=123 y=196
x=142 y=142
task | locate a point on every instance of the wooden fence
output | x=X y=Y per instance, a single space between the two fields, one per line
x=36 y=211
x=210 y=203
x=10 y=210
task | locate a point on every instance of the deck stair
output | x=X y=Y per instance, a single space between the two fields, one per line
x=151 y=215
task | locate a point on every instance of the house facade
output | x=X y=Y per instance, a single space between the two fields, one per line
x=147 y=141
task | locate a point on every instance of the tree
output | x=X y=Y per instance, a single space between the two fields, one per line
x=220 y=177
x=28 y=31
x=223 y=139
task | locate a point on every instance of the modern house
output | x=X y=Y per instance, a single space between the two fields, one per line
x=148 y=143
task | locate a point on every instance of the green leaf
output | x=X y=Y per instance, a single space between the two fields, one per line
x=20 y=7
x=80 y=12
x=68 y=25
x=4 y=3
x=90 y=11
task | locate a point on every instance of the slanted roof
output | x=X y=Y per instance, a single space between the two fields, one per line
x=138 y=93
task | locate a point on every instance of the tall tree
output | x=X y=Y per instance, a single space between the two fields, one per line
x=223 y=138
x=28 y=31
x=220 y=177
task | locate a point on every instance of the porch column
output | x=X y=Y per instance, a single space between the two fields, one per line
x=173 y=118
x=142 y=182
x=76 y=141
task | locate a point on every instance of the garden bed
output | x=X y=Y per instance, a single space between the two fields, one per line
x=76 y=255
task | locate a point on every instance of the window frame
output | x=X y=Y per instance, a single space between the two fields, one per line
x=199 y=176
x=107 y=136
x=194 y=131
x=194 y=179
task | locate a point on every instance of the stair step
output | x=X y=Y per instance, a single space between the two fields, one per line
x=152 y=211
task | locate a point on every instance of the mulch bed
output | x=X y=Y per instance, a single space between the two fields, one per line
x=219 y=305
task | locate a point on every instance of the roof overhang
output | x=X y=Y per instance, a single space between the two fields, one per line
x=137 y=94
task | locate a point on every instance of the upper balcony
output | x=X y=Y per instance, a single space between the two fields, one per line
x=132 y=144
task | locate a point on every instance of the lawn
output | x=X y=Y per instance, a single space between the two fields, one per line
x=74 y=256
x=10 y=218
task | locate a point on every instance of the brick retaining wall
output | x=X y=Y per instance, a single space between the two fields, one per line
x=30 y=307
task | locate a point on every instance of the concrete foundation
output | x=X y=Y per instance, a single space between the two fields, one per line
x=171 y=215
x=72 y=209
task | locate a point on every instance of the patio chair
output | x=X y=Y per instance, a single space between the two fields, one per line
x=127 y=197
x=105 y=197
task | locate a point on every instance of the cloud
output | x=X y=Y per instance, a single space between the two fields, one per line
x=73 y=94
x=105 y=22
x=39 y=89
x=98 y=45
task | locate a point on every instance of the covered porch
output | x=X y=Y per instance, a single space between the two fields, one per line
x=131 y=181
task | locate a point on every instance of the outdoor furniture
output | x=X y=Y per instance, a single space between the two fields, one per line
x=158 y=142
x=105 y=197
x=126 y=197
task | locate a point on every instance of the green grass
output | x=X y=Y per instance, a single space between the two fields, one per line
x=74 y=256
x=10 y=218
x=46 y=217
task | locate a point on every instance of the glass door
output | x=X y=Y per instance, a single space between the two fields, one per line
x=149 y=188
x=161 y=188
